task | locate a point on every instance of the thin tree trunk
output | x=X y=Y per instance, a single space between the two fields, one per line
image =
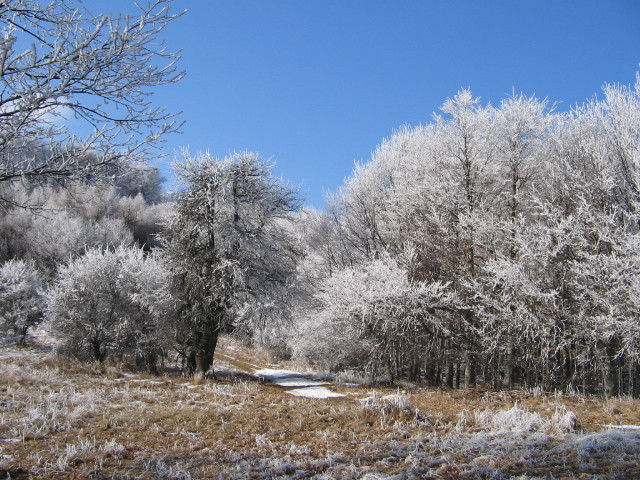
x=470 y=371
x=507 y=379
x=450 y=374
x=610 y=372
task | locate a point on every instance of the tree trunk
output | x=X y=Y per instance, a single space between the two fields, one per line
x=610 y=372
x=609 y=378
x=470 y=371
x=98 y=354
x=450 y=374
x=204 y=355
x=507 y=379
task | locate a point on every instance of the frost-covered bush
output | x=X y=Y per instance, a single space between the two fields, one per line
x=372 y=315
x=21 y=298
x=110 y=303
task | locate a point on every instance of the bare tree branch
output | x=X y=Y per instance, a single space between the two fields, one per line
x=59 y=62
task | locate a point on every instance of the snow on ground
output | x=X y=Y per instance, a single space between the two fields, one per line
x=298 y=382
x=305 y=387
x=314 y=392
x=623 y=427
x=272 y=373
x=287 y=378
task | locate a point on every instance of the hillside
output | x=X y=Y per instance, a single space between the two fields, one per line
x=64 y=421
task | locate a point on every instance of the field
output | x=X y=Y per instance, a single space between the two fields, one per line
x=60 y=420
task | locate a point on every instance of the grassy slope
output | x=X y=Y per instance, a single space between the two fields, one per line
x=68 y=422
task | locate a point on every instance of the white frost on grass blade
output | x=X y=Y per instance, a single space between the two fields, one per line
x=314 y=392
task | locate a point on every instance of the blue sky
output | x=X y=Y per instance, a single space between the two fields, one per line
x=316 y=85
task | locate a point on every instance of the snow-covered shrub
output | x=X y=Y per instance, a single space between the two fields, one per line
x=21 y=298
x=513 y=420
x=372 y=315
x=110 y=303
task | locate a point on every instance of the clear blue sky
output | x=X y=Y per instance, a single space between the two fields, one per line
x=317 y=85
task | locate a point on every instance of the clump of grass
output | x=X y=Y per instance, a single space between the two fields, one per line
x=517 y=420
x=392 y=403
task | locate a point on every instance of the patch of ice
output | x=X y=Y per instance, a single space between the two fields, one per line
x=314 y=392
x=287 y=378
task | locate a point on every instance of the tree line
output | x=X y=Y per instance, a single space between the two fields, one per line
x=494 y=245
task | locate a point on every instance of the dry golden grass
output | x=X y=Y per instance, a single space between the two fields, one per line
x=65 y=421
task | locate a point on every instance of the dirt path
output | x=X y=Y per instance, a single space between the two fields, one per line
x=295 y=383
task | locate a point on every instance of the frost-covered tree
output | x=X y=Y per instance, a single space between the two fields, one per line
x=466 y=186
x=618 y=118
x=21 y=298
x=141 y=179
x=110 y=303
x=61 y=237
x=59 y=61
x=506 y=300
x=521 y=125
x=74 y=218
x=556 y=299
x=589 y=216
x=228 y=245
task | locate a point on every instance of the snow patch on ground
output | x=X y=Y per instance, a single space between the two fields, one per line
x=304 y=387
x=314 y=392
x=287 y=378
x=298 y=382
x=272 y=373
x=623 y=427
